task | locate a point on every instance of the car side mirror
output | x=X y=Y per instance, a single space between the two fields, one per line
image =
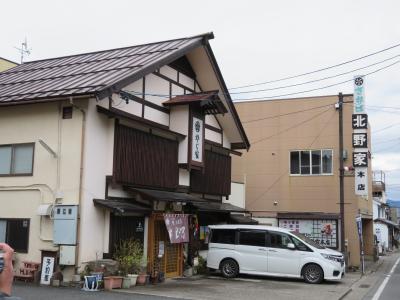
x=291 y=246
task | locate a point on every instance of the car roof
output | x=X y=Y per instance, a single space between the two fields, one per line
x=259 y=227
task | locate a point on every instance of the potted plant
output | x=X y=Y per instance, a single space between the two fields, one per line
x=143 y=276
x=112 y=282
x=128 y=254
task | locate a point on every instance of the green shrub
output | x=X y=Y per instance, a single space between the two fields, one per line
x=129 y=255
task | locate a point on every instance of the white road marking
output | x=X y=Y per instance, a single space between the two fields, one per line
x=384 y=283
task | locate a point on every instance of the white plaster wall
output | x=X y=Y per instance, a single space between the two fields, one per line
x=157 y=86
x=20 y=196
x=23 y=204
x=176 y=90
x=156 y=116
x=169 y=72
x=375 y=210
x=179 y=122
x=97 y=156
x=132 y=107
x=184 y=177
x=213 y=136
x=237 y=196
x=210 y=120
x=225 y=141
x=383 y=236
x=186 y=81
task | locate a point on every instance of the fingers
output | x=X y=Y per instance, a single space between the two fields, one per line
x=7 y=250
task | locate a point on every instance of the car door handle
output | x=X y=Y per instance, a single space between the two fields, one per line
x=271 y=250
x=262 y=249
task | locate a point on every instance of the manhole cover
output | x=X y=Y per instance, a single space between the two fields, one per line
x=364 y=286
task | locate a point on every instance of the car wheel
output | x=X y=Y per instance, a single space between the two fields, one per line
x=229 y=268
x=313 y=273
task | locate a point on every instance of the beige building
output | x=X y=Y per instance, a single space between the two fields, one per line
x=6 y=64
x=292 y=170
x=99 y=147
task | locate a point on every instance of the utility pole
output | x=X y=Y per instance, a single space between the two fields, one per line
x=341 y=176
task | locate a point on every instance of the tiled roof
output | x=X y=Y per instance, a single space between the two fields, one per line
x=97 y=73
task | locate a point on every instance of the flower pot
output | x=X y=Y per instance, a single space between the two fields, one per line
x=142 y=279
x=133 y=278
x=112 y=282
x=126 y=283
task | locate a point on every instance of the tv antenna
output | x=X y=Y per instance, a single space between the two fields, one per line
x=24 y=50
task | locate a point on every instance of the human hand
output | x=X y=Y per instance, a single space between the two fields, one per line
x=6 y=277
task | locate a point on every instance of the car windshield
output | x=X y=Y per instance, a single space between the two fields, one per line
x=307 y=240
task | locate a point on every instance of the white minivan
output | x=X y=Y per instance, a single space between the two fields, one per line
x=271 y=251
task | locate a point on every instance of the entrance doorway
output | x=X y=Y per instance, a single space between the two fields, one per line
x=171 y=261
x=124 y=228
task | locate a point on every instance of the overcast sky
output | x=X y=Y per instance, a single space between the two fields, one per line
x=255 y=41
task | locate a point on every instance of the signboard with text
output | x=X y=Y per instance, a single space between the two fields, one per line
x=323 y=232
x=359 y=123
x=197 y=140
x=47 y=270
x=177 y=227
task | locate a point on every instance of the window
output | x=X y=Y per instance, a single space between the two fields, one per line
x=252 y=238
x=16 y=159
x=300 y=245
x=223 y=236
x=311 y=162
x=15 y=232
x=279 y=240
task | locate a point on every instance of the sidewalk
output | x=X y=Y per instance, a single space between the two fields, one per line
x=251 y=287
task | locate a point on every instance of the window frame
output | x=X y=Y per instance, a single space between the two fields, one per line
x=239 y=232
x=13 y=146
x=7 y=238
x=310 y=151
x=235 y=231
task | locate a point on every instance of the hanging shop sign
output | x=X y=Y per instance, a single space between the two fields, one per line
x=197 y=140
x=177 y=227
x=323 y=232
x=360 y=138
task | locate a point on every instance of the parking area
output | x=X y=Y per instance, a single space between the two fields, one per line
x=245 y=287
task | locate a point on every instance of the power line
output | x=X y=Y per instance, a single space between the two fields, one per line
x=386 y=128
x=320 y=88
x=280 y=95
x=286 y=114
x=318 y=70
x=316 y=80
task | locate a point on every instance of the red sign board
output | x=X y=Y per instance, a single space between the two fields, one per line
x=177 y=227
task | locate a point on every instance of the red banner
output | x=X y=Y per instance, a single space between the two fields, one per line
x=177 y=227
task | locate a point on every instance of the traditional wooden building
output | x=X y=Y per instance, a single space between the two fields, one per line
x=103 y=146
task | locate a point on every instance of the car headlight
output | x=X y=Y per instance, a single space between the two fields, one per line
x=332 y=257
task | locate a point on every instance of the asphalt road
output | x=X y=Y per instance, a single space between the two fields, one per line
x=392 y=288
x=33 y=292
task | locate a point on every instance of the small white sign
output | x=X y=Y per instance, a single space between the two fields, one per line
x=361 y=181
x=47 y=270
x=197 y=140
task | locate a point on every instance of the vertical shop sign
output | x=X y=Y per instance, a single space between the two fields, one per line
x=197 y=140
x=360 y=138
x=177 y=227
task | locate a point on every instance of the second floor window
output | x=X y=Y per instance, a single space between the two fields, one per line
x=16 y=159
x=311 y=162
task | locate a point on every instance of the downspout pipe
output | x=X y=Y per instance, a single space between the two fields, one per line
x=71 y=101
